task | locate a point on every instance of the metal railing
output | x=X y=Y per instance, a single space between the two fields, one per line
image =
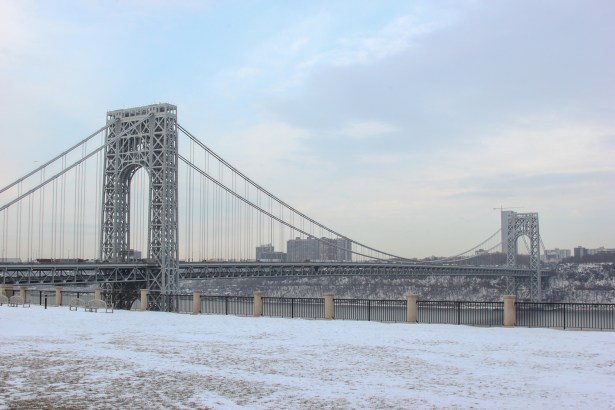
x=182 y=303
x=227 y=305
x=566 y=315
x=531 y=314
x=461 y=313
x=372 y=310
x=306 y=308
x=37 y=297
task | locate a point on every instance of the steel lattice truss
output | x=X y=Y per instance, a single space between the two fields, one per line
x=143 y=137
x=87 y=273
x=525 y=224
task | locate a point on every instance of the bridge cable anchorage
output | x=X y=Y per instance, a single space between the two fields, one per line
x=273 y=197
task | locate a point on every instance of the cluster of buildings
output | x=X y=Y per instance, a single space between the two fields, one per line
x=308 y=249
x=558 y=255
x=580 y=251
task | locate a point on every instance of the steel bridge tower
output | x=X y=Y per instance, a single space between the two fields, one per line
x=516 y=225
x=143 y=137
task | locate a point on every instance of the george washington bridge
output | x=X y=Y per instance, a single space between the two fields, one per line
x=142 y=203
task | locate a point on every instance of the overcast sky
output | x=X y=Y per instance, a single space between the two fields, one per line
x=400 y=124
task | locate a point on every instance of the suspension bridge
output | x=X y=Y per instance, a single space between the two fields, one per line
x=114 y=209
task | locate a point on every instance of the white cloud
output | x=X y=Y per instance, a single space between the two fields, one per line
x=17 y=31
x=367 y=129
x=392 y=39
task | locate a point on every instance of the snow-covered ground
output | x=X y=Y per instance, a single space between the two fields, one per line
x=56 y=358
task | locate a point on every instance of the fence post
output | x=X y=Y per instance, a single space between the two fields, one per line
x=196 y=302
x=258 y=303
x=412 y=308
x=58 y=296
x=329 y=306
x=23 y=291
x=5 y=289
x=509 y=311
x=98 y=293
x=144 y=301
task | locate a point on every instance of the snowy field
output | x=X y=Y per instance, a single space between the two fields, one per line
x=56 y=358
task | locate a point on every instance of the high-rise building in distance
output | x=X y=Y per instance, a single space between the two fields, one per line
x=323 y=249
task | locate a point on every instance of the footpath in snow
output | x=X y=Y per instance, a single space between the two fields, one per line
x=56 y=358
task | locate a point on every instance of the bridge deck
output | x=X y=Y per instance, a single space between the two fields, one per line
x=83 y=273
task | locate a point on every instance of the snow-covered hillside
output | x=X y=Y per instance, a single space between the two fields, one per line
x=573 y=283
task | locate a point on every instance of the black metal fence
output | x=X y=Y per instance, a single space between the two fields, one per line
x=367 y=309
x=461 y=313
x=307 y=308
x=182 y=303
x=38 y=297
x=566 y=315
x=531 y=314
x=227 y=305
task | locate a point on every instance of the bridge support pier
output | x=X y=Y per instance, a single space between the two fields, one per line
x=412 y=308
x=23 y=291
x=98 y=293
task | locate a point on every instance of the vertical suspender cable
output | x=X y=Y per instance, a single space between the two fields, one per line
x=30 y=226
x=4 y=233
x=76 y=206
x=97 y=200
x=41 y=217
x=62 y=207
x=18 y=232
x=207 y=202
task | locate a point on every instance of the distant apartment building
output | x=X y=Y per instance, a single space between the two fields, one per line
x=579 y=252
x=299 y=250
x=260 y=250
x=323 y=249
x=555 y=255
x=267 y=253
x=272 y=257
x=599 y=250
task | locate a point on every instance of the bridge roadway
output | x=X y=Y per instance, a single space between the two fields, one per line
x=87 y=273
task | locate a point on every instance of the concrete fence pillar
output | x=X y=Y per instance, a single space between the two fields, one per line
x=58 y=296
x=412 y=308
x=196 y=302
x=329 y=306
x=23 y=292
x=510 y=313
x=144 y=301
x=6 y=290
x=258 y=303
